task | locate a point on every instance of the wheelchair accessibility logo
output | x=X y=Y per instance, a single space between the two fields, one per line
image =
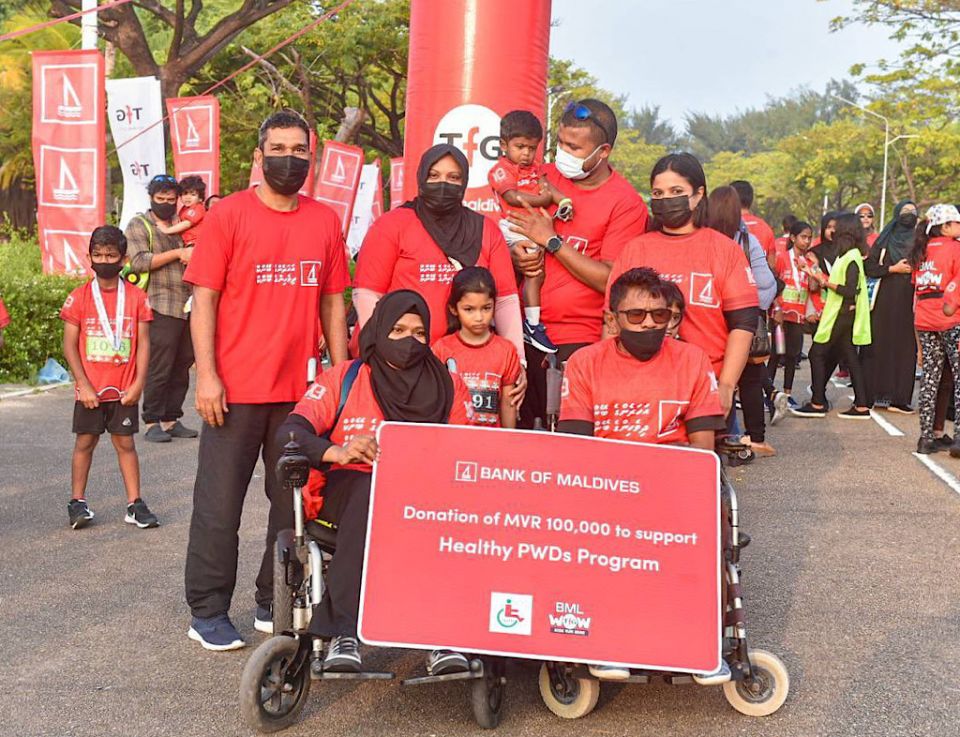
x=511 y=614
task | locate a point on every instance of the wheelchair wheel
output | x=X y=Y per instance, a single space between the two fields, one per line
x=766 y=692
x=486 y=695
x=565 y=695
x=270 y=699
x=282 y=594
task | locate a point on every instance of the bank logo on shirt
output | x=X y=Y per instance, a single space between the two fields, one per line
x=577 y=243
x=316 y=392
x=702 y=290
x=671 y=415
x=310 y=273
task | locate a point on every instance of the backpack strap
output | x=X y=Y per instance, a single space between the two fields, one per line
x=345 y=387
x=146 y=224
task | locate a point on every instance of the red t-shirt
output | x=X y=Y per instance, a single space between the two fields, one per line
x=644 y=401
x=506 y=176
x=193 y=214
x=486 y=370
x=361 y=414
x=270 y=268
x=398 y=253
x=98 y=357
x=780 y=245
x=761 y=231
x=796 y=290
x=935 y=281
x=871 y=239
x=4 y=316
x=604 y=220
x=710 y=270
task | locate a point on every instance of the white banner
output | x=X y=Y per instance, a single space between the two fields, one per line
x=362 y=217
x=134 y=105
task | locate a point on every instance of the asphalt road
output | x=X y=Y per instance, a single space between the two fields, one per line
x=852 y=578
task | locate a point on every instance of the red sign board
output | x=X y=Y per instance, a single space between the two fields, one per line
x=396 y=183
x=551 y=547
x=338 y=178
x=195 y=138
x=69 y=155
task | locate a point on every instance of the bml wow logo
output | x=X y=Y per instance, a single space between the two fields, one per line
x=475 y=130
x=511 y=614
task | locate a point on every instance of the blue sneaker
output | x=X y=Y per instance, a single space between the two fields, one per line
x=263 y=620
x=215 y=633
x=536 y=335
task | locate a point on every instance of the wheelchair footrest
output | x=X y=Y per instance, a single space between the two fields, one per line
x=318 y=674
x=463 y=676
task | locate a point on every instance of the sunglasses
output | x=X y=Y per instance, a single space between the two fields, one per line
x=661 y=315
x=866 y=216
x=583 y=113
x=164 y=178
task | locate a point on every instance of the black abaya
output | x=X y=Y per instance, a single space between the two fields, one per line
x=891 y=362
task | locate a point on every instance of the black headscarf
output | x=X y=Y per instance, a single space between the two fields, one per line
x=459 y=234
x=422 y=392
x=896 y=238
x=826 y=249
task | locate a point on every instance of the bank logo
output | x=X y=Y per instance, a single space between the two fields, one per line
x=568 y=618
x=467 y=470
x=511 y=614
x=192 y=127
x=475 y=130
x=310 y=273
x=68 y=177
x=69 y=94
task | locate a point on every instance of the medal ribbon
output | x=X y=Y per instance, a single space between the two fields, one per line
x=114 y=336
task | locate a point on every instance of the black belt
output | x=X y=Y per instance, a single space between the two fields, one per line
x=930 y=295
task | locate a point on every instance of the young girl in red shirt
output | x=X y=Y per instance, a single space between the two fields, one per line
x=487 y=363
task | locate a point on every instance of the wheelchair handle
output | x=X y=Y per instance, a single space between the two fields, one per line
x=293 y=468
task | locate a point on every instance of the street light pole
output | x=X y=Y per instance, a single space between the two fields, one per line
x=886 y=144
x=88 y=26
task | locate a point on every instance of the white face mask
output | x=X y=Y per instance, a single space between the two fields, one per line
x=571 y=166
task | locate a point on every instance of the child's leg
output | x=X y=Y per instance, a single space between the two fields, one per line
x=129 y=465
x=531 y=287
x=933 y=360
x=80 y=465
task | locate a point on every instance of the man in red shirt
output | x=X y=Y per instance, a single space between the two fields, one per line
x=755 y=224
x=608 y=214
x=268 y=265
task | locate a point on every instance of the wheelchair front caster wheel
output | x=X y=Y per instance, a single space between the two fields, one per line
x=566 y=695
x=765 y=692
x=271 y=698
x=486 y=696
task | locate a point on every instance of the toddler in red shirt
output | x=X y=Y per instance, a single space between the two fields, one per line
x=517 y=181
x=106 y=344
x=487 y=363
x=190 y=217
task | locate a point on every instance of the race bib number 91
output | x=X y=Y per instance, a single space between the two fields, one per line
x=485 y=402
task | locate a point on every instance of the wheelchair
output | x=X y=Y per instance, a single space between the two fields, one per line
x=276 y=679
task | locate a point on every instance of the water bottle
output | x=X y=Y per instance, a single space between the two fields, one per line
x=780 y=339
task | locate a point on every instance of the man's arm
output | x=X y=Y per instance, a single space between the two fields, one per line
x=143 y=363
x=71 y=351
x=703 y=439
x=211 y=399
x=141 y=257
x=333 y=319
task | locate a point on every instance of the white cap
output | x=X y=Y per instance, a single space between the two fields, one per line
x=941 y=214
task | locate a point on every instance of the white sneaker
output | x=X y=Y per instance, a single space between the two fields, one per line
x=781 y=407
x=610 y=672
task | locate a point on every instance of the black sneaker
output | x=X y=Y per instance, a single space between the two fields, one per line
x=443 y=662
x=944 y=441
x=263 y=620
x=536 y=335
x=157 y=434
x=926 y=447
x=955 y=449
x=80 y=513
x=140 y=515
x=903 y=409
x=179 y=430
x=854 y=414
x=343 y=655
x=808 y=410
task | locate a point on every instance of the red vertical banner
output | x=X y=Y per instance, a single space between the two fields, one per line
x=195 y=138
x=455 y=81
x=69 y=155
x=396 y=183
x=338 y=178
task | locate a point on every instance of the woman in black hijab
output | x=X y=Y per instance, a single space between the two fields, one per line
x=424 y=243
x=890 y=362
x=397 y=378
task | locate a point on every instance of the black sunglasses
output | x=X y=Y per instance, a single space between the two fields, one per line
x=661 y=315
x=582 y=112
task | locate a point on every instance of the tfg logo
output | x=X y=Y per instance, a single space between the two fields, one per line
x=475 y=130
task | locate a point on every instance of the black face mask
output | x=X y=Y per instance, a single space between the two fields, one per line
x=907 y=219
x=107 y=271
x=672 y=212
x=403 y=353
x=441 y=198
x=643 y=344
x=163 y=210
x=285 y=174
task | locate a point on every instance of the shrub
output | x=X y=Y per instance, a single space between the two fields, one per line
x=33 y=300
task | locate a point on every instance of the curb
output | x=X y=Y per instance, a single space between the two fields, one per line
x=33 y=390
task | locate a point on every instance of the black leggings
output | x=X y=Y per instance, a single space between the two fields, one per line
x=751 y=400
x=793 y=332
x=824 y=358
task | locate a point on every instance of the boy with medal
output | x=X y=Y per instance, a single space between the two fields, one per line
x=106 y=344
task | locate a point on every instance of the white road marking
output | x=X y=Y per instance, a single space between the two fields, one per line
x=33 y=390
x=886 y=425
x=945 y=476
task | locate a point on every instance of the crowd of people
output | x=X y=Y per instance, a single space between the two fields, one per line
x=663 y=321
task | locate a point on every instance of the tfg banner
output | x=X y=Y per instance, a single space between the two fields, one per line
x=136 y=115
x=367 y=206
x=68 y=155
x=195 y=138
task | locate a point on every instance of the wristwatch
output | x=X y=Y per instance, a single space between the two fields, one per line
x=553 y=245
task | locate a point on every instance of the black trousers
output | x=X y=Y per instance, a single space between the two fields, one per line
x=751 y=400
x=346 y=501
x=228 y=455
x=824 y=358
x=535 y=402
x=793 y=332
x=168 y=375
